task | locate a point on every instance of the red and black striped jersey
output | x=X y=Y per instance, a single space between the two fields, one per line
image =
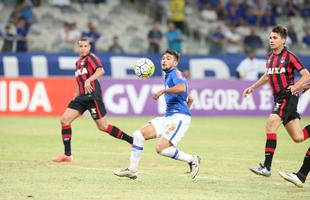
x=86 y=67
x=280 y=70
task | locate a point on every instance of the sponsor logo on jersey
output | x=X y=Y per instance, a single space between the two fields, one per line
x=81 y=72
x=275 y=70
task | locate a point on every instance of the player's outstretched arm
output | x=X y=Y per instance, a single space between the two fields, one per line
x=261 y=81
x=177 y=89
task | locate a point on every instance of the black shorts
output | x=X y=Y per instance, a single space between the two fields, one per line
x=286 y=106
x=95 y=107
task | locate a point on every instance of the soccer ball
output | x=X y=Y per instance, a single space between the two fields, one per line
x=144 y=68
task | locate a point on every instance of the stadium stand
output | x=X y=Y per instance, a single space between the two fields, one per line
x=131 y=21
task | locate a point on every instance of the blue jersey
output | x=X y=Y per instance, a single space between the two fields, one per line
x=176 y=103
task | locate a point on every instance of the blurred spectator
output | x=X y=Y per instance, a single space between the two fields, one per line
x=186 y=73
x=22 y=10
x=306 y=38
x=275 y=8
x=217 y=41
x=21 y=38
x=8 y=39
x=177 y=9
x=154 y=38
x=174 y=38
x=232 y=17
x=252 y=41
x=250 y=18
x=267 y=19
x=292 y=34
x=250 y=68
x=92 y=35
x=116 y=47
x=291 y=9
x=208 y=13
x=67 y=38
x=233 y=39
x=235 y=11
x=305 y=9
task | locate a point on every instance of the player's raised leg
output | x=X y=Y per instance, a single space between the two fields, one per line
x=66 y=132
x=114 y=131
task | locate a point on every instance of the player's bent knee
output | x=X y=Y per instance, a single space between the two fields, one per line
x=298 y=139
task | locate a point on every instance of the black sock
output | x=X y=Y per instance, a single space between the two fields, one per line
x=305 y=168
x=270 y=147
x=117 y=133
x=66 y=133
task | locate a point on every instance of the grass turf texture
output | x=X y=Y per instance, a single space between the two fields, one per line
x=228 y=147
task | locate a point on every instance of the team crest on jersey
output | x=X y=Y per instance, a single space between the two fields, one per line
x=282 y=61
x=172 y=127
x=82 y=71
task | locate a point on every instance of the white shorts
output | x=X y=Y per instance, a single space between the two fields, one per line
x=173 y=128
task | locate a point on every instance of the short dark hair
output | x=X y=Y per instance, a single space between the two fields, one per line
x=281 y=30
x=174 y=53
x=84 y=40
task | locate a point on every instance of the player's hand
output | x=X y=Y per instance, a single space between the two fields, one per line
x=293 y=89
x=88 y=87
x=247 y=91
x=305 y=88
x=158 y=94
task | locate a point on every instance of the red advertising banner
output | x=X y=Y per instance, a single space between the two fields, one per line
x=35 y=96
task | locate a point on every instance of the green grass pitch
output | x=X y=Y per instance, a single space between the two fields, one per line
x=228 y=146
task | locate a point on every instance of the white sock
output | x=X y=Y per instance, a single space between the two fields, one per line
x=137 y=148
x=176 y=154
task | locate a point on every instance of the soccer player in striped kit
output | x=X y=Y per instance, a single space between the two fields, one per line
x=169 y=128
x=87 y=97
x=280 y=66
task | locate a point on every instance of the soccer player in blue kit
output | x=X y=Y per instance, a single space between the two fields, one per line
x=169 y=128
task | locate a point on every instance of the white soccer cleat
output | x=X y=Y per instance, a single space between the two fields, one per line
x=291 y=177
x=126 y=173
x=195 y=166
x=261 y=170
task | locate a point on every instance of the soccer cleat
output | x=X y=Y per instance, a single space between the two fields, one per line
x=292 y=177
x=195 y=166
x=261 y=170
x=126 y=173
x=63 y=158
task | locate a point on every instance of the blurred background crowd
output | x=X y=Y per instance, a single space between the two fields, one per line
x=151 y=26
